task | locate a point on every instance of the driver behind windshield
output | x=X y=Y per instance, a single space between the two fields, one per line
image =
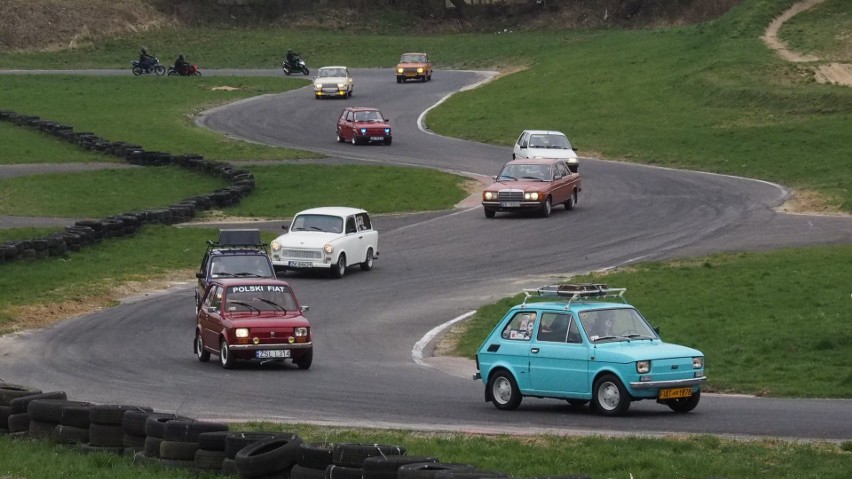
x=260 y=298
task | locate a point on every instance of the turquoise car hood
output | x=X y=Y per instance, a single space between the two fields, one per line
x=629 y=351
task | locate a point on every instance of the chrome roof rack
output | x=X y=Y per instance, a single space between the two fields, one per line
x=576 y=292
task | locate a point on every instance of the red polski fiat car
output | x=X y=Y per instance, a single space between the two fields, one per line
x=252 y=319
x=363 y=125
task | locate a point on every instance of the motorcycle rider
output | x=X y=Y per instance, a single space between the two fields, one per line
x=181 y=65
x=292 y=57
x=145 y=60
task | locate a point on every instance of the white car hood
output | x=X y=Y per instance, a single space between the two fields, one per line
x=334 y=80
x=549 y=153
x=307 y=239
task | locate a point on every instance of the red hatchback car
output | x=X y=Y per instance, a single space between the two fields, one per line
x=532 y=185
x=363 y=125
x=252 y=318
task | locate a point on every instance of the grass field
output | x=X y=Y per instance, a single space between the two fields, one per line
x=528 y=457
x=823 y=31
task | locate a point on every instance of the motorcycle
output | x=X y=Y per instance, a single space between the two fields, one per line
x=151 y=67
x=190 y=71
x=297 y=66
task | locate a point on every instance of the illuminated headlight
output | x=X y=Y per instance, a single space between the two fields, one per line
x=387 y=131
x=399 y=70
x=300 y=332
x=697 y=363
x=241 y=332
x=420 y=70
x=572 y=161
x=341 y=85
x=276 y=246
x=328 y=248
x=643 y=367
x=363 y=131
x=489 y=195
x=531 y=196
x=318 y=86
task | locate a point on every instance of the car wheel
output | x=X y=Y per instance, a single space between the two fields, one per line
x=354 y=139
x=196 y=303
x=546 y=208
x=367 y=265
x=504 y=391
x=398 y=80
x=304 y=361
x=203 y=354
x=225 y=359
x=684 y=404
x=340 y=138
x=388 y=141
x=339 y=268
x=569 y=205
x=489 y=213
x=609 y=396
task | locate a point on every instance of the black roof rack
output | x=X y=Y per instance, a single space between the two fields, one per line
x=576 y=292
x=238 y=238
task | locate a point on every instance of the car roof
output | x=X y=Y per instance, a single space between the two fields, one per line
x=331 y=210
x=545 y=132
x=535 y=161
x=577 y=306
x=238 y=251
x=258 y=281
x=415 y=53
x=332 y=66
x=361 y=108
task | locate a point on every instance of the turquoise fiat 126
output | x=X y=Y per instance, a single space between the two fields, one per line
x=585 y=344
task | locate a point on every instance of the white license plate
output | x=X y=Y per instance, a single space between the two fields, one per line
x=272 y=354
x=299 y=264
x=377 y=138
x=510 y=204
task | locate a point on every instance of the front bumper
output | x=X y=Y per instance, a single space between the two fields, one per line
x=270 y=347
x=673 y=383
x=300 y=264
x=520 y=206
x=327 y=92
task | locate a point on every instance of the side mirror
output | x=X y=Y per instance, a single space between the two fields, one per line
x=199 y=275
x=284 y=227
x=387 y=120
x=494 y=177
x=304 y=309
x=657 y=330
x=212 y=309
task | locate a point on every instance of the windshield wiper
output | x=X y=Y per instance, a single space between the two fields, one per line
x=638 y=336
x=273 y=303
x=507 y=177
x=245 y=274
x=531 y=178
x=316 y=228
x=242 y=303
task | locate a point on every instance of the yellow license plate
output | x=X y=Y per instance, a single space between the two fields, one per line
x=675 y=393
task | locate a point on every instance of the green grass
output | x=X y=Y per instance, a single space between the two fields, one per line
x=118 y=191
x=23 y=145
x=772 y=324
x=824 y=30
x=153 y=112
x=8 y=234
x=532 y=456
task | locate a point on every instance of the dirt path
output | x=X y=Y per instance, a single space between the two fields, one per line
x=836 y=73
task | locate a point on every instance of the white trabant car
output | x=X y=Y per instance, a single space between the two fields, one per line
x=331 y=238
x=546 y=144
x=333 y=82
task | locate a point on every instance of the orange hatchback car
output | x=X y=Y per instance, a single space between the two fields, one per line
x=414 y=66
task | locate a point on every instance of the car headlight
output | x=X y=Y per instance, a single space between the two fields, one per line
x=241 y=332
x=300 y=332
x=697 y=363
x=399 y=70
x=318 y=86
x=387 y=131
x=643 y=367
x=341 y=85
x=489 y=195
x=363 y=131
x=420 y=70
x=276 y=246
x=328 y=248
x=531 y=196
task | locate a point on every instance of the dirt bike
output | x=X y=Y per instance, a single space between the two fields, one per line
x=190 y=71
x=149 y=67
x=297 y=66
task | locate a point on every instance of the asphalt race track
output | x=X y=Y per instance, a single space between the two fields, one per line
x=369 y=327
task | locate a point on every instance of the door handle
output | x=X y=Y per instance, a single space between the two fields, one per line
x=534 y=350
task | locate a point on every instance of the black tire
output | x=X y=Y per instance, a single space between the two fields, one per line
x=268 y=456
x=137 y=443
x=112 y=414
x=225 y=359
x=50 y=410
x=133 y=422
x=489 y=213
x=427 y=470
x=340 y=138
x=354 y=139
x=306 y=71
x=315 y=455
x=386 y=467
x=137 y=71
x=213 y=441
x=504 y=390
x=343 y=472
x=474 y=474
x=367 y=265
x=202 y=354
x=398 y=80
x=388 y=141
x=184 y=451
x=353 y=454
x=159 y=70
x=19 y=405
x=71 y=435
x=42 y=430
x=172 y=73
x=302 y=472
x=684 y=405
x=152 y=446
x=196 y=73
x=209 y=460
x=4 y=416
x=305 y=360
x=106 y=435
x=18 y=422
x=338 y=270
x=13 y=391
x=187 y=430
x=76 y=416
x=572 y=201
x=609 y=396
x=546 y=208
x=238 y=440
x=155 y=424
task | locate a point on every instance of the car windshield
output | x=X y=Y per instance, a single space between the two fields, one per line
x=324 y=223
x=525 y=172
x=237 y=266
x=371 y=115
x=412 y=58
x=549 y=140
x=331 y=72
x=248 y=298
x=615 y=325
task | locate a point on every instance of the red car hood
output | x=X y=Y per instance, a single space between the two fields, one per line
x=269 y=320
x=519 y=185
x=371 y=124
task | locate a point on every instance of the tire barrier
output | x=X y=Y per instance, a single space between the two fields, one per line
x=174 y=441
x=87 y=232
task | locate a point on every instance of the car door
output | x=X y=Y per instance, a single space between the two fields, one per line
x=520 y=146
x=561 y=182
x=201 y=286
x=343 y=127
x=210 y=316
x=511 y=348
x=350 y=83
x=559 y=362
x=367 y=236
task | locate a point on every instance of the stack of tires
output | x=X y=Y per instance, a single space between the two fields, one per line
x=46 y=416
x=211 y=450
x=133 y=425
x=180 y=441
x=237 y=441
x=8 y=392
x=73 y=425
x=106 y=427
x=270 y=458
x=155 y=430
x=19 y=417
